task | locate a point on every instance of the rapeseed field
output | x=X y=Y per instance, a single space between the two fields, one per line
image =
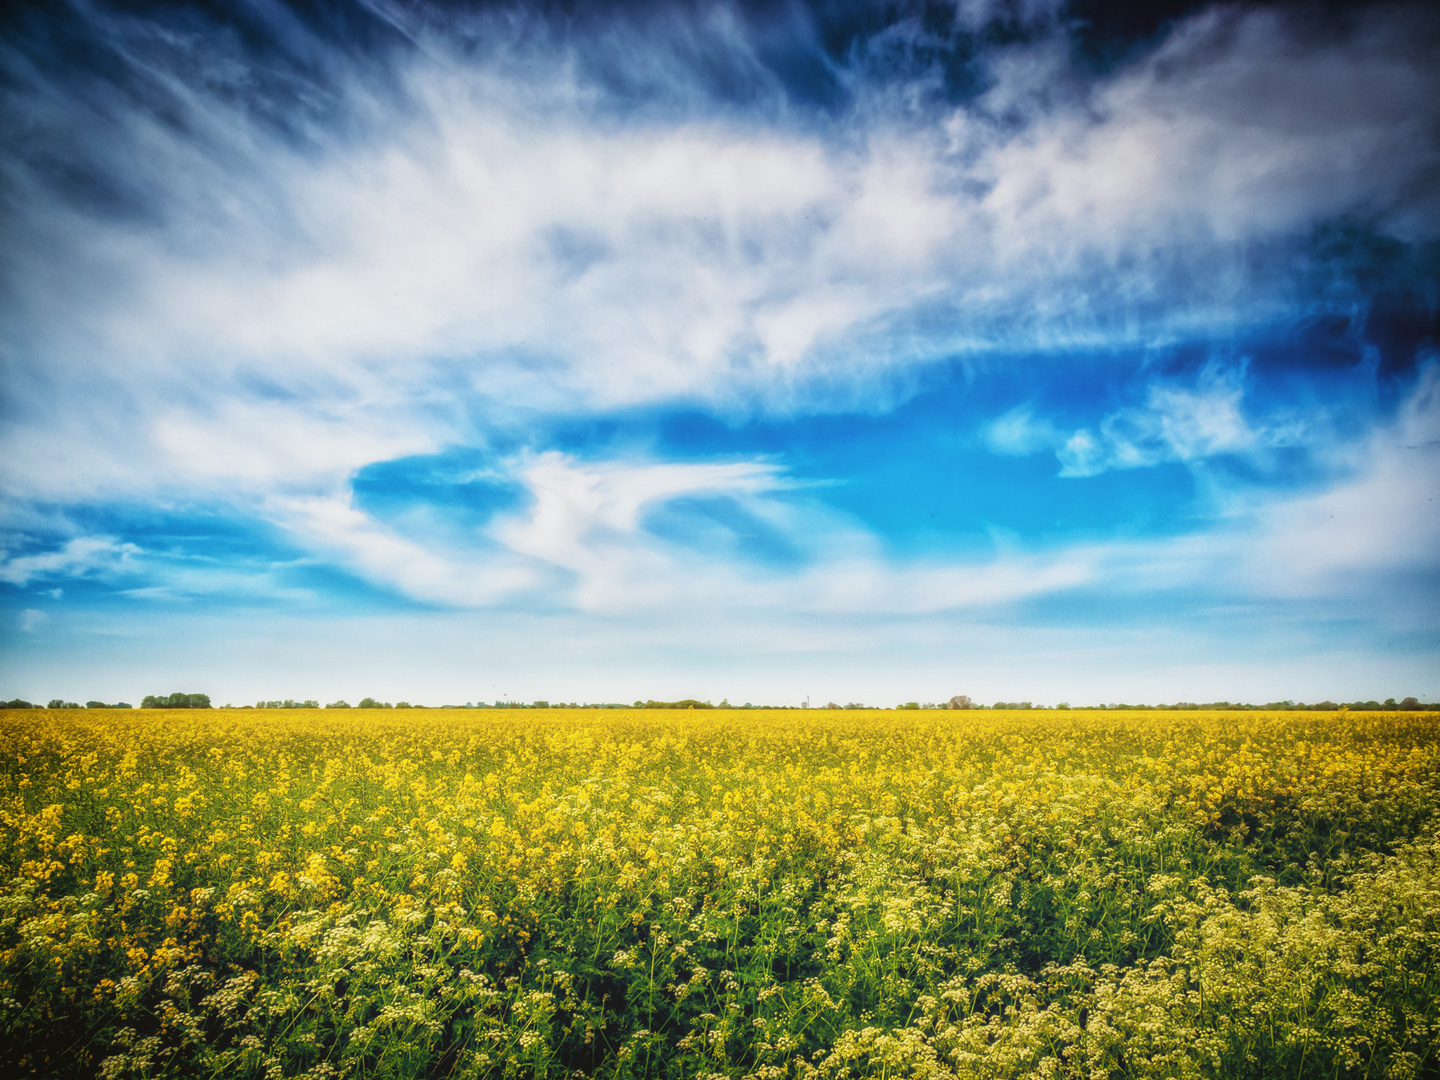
x=558 y=893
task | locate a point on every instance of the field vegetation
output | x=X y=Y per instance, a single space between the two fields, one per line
x=708 y=893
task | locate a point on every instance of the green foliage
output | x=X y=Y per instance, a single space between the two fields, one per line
x=176 y=701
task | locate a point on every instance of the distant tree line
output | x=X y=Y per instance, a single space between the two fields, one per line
x=963 y=701
x=959 y=701
x=1408 y=704
x=61 y=703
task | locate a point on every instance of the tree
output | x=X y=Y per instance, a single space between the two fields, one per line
x=176 y=701
x=961 y=701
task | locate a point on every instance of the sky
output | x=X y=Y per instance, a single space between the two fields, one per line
x=766 y=352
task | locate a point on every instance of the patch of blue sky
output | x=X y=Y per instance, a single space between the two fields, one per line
x=166 y=580
x=467 y=486
x=940 y=473
x=120 y=555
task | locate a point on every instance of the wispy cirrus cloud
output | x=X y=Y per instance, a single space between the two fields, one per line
x=492 y=223
x=1178 y=423
x=1382 y=523
x=1019 y=432
x=82 y=556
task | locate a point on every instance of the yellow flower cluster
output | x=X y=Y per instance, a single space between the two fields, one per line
x=764 y=894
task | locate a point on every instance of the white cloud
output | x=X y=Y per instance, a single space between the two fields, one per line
x=1362 y=537
x=344 y=536
x=1176 y=423
x=499 y=241
x=32 y=620
x=283 y=442
x=578 y=542
x=576 y=503
x=1020 y=432
x=79 y=557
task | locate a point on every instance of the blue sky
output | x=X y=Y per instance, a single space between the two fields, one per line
x=1035 y=351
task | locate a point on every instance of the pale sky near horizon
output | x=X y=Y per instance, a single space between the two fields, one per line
x=850 y=352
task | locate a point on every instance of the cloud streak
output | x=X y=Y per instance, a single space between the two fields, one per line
x=83 y=556
x=498 y=226
x=1176 y=423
